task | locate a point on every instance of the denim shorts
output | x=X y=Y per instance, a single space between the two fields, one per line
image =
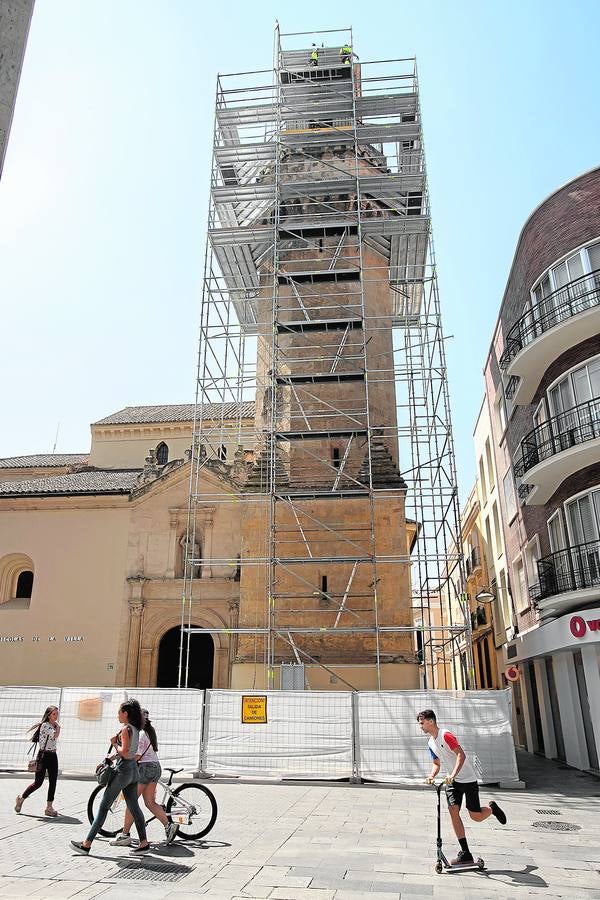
x=149 y=772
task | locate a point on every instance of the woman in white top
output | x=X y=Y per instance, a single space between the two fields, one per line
x=45 y=734
x=150 y=772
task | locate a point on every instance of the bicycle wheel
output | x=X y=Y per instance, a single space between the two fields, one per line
x=116 y=813
x=194 y=808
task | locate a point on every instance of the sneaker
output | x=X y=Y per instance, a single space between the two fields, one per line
x=18 y=804
x=121 y=840
x=79 y=848
x=139 y=849
x=464 y=858
x=171 y=832
x=499 y=813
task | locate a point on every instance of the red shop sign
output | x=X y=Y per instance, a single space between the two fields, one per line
x=578 y=626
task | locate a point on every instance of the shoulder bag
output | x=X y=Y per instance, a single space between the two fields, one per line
x=105 y=771
x=35 y=763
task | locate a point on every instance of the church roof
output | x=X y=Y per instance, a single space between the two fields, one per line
x=176 y=412
x=44 y=460
x=92 y=481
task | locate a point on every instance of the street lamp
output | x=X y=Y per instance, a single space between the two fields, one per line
x=485 y=596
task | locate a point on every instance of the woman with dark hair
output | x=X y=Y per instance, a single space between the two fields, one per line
x=125 y=778
x=150 y=772
x=45 y=734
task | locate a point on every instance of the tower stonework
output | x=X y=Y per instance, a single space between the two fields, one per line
x=315 y=287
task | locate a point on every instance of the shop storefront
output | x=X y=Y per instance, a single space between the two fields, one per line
x=559 y=680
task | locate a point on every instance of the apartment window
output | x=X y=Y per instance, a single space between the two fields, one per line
x=583 y=518
x=556 y=532
x=579 y=386
x=490 y=467
x=520 y=583
x=335 y=457
x=509 y=496
x=539 y=416
x=504 y=598
x=547 y=296
x=489 y=554
x=532 y=554
x=482 y=481
x=223 y=453
x=497 y=535
x=501 y=414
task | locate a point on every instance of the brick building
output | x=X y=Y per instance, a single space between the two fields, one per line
x=543 y=391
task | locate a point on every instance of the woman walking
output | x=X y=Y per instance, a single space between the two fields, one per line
x=150 y=772
x=45 y=734
x=125 y=778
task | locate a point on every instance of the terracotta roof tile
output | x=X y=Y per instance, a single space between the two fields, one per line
x=92 y=481
x=44 y=460
x=182 y=412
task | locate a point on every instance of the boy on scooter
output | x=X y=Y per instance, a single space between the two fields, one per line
x=461 y=782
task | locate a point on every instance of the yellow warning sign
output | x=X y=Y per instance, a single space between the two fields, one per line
x=254 y=709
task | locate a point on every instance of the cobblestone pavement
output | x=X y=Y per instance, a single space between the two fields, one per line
x=315 y=842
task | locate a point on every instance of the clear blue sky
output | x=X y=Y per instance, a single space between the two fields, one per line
x=104 y=195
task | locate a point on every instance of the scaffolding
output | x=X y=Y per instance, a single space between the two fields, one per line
x=322 y=351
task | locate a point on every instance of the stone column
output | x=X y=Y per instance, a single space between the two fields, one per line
x=528 y=713
x=136 y=609
x=173 y=545
x=570 y=710
x=591 y=668
x=546 y=716
x=204 y=522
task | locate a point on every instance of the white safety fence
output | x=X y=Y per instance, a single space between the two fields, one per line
x=307 y=735
x=391 y=746
x=327 y=735
x=88 y=718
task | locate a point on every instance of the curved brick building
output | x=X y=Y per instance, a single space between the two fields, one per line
x=543 y=388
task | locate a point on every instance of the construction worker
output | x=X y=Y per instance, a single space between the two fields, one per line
x=346 y=55
x=314 y=56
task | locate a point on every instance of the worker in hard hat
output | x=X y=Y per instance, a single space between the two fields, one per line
x=346 y=55
x=314 y=56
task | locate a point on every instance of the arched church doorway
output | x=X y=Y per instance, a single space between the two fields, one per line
x=202 y=652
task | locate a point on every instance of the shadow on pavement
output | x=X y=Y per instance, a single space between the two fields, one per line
x=519 y=876
x=50 y=820
x=206 y=845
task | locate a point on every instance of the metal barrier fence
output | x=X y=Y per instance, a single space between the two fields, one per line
x=326 y=735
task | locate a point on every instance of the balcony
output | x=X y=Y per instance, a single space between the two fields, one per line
x=568 y=579
x=560 y=447
x=561 y=320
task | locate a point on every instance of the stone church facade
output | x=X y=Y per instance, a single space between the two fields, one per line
x=92 y=550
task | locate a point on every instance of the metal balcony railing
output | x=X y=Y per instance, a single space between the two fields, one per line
x=568 y=570
x=575 y=426
x=578 y=295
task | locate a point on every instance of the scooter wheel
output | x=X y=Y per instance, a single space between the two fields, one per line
x=481 y=863
x=439 y=868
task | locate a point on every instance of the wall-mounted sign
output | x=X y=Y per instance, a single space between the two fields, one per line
x=578 y=626
x=512 y=673
x=254 y=709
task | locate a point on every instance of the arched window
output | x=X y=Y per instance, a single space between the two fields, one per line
x=16 y=580
x=24 y=585
x=162 y=454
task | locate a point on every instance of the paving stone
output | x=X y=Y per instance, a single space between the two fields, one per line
x=317 y=841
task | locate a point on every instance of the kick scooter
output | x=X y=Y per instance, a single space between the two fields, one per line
x=442 y=863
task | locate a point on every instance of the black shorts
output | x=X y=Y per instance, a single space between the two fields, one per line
x=467 y=789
